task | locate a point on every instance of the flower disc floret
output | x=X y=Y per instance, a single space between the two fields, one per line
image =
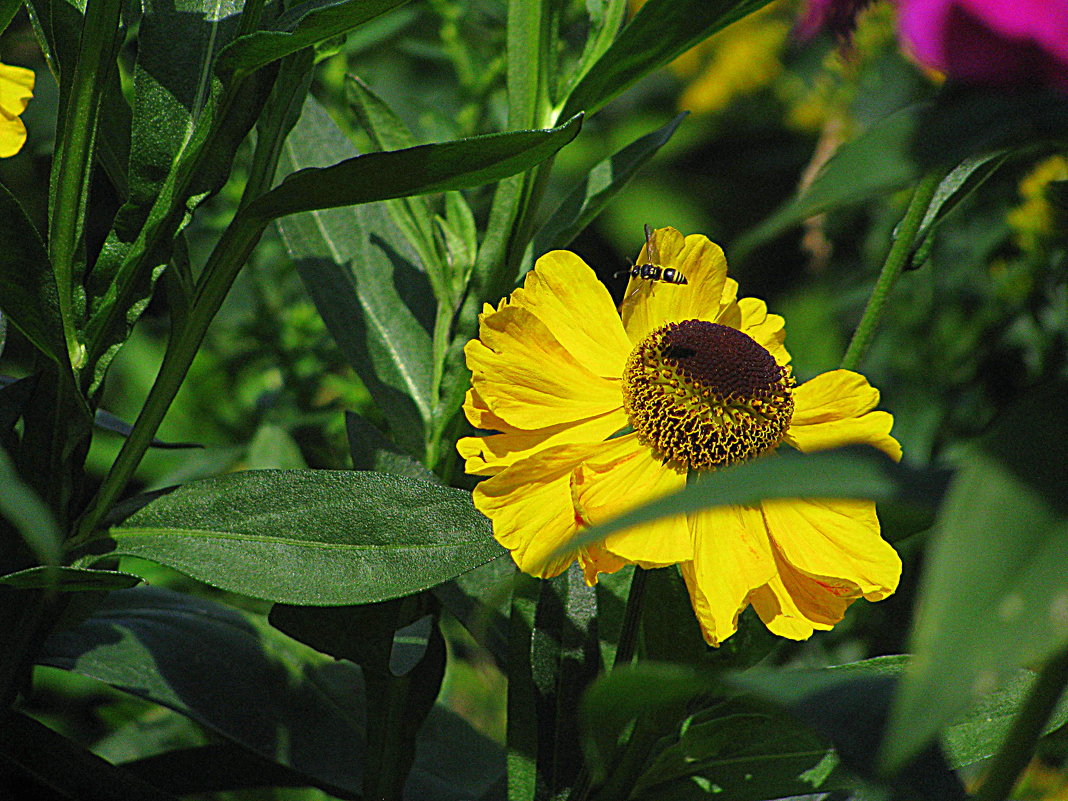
x=706 y=395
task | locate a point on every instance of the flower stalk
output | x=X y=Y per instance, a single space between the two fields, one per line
x=896 y=261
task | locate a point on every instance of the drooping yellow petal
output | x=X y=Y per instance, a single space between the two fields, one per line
x=531 y=509
x=527 y=378
x=834 y=409
x=16 y=89
x=566 y=295
x=594 y=560
x=649 y=304
x=836 y=542
x=626 y=474
x=490 y=454
x=732 y=558
x=794 y=605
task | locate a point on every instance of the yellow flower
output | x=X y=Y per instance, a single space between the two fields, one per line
x=598 y=411
x=16 y=89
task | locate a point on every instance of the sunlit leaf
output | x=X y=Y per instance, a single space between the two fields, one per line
x=316 y=537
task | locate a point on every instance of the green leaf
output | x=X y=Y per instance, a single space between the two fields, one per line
x=69 y=579
x=661 y=30
x=855 y=472
x=272 y=448
x=316 y=537
x=41 y=763
x=416 y=170
x=31 y=518
x=372 y=451
x=28 y=293
x=993 y=590
x=876 y=162
x=604 y=181
x=964 y=179
x=256 y=687
x=8 y=10
x=367 y=285
x=302 y=26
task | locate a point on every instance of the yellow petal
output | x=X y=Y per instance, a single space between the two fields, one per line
x=732 y=558
x=649 y=304
x=834 y=409
x=530 y=506
x=16 y=89
x=566 y=295
x=490 y=454
x=527 y=378
x=626 y=474
x=767 y=329
x=595 y=559
x=794 y=605
x=836 y=542
x=12 y=135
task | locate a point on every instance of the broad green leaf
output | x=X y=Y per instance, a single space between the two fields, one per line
x=40 y=763
x=272 y=448
x=856 y=472
x=749 y=755
x=993 y=591
x=28 y=293
x=316 y=537
x=254 y=686
x=69 y=579
x=367 y=284
x=661 y=30
x=370 y=450
x=31 y=518
x=303 y=25
x=876 y=162
x=595 y=190
x=422 y=169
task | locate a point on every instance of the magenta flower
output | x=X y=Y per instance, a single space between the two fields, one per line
x=992 y=42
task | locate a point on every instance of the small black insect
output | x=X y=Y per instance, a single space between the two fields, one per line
x=651 y=270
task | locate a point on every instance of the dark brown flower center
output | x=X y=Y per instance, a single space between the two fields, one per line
x=706 y=395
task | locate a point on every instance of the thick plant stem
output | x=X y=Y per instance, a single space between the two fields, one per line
x=895 y=262
x=1019 y=746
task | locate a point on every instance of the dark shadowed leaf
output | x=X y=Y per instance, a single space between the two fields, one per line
x=69 y=579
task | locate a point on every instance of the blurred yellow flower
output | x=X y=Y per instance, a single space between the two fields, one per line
x=1036 y=219
x=16 y=89
x=598 y=411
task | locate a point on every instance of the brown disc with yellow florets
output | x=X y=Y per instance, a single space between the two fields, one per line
x=705 y=395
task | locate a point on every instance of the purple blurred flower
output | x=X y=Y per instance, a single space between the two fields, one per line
x=836 y=16
x=992 y=42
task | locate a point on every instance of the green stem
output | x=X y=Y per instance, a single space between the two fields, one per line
x=896 y=260
x=219 y=273
x=628 y=635
x=1019 y=746
x=74 y=155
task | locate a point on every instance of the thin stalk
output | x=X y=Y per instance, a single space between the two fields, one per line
x=223 y=265
x=895 y=262
x=1019 y=746
x=628 y=635
x=75 y=156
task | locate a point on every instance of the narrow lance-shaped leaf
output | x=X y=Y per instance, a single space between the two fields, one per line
x=661 y=30
x=302 y=26
x=28 y=293
x=28 y=514
x=604 y=182
x=417 y=170
x=317 y=537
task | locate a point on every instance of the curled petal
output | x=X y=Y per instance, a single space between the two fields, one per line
x=835 y=542
x=834 y=409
